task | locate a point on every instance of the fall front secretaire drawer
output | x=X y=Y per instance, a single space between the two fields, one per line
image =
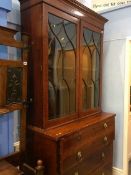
x=88 y=137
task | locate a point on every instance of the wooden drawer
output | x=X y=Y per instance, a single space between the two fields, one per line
x=92 y=137
x=83 y=153
x=92 y=162
x=104 y=126
x=106 y=170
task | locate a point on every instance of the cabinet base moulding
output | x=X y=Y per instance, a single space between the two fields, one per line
x=117 y=171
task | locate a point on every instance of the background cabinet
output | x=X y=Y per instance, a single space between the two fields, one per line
x=66 y=127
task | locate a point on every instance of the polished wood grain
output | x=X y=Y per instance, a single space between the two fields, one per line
x=10 y=108
x=69 y=7
x=88 y=164
x=38 y=62
x=77 y=143
x=10 y=62
x=7 y=169
x=86 y=136
x=35 y=71
x=8 y=39
x=88 y=155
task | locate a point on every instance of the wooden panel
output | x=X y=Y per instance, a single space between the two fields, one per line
x=10 y=42
x=69 y=128
x=69 y=7
x=35 y=71
x=93 y=132
x=85 y=146
x=7 y=38
x=7 y=169
x=105 y=170
x=10 y=108
x=45 y=150
x=90 y=143
x=90 y=164
x=7 y=32
x=11 y=63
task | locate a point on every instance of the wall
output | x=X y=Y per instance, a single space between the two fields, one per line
x=116 y=31
x=13 y=17
x=113 y=91
x=129 y=119
x=98 y=5
x=86 y=2
x=6 y=4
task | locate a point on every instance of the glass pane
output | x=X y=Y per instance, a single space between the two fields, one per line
x=10 y=53
x=61 y=67
x=90 y=69
x=9 y=133
x=14 y=85
x=10 y=85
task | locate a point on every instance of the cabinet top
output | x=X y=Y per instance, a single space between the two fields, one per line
x=67 y=129
x=74 y=4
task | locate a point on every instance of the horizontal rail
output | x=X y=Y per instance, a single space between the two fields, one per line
x=11 y=42
x=11 y=63
x=7 y=30
x=9 y=108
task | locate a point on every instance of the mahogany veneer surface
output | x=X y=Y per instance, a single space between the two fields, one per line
x=78 y=143
x=7 y=169
x=83 y=146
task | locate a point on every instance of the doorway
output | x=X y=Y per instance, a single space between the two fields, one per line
x=127 y=112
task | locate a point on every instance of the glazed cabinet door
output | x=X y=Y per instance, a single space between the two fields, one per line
x=62 y=66
x=90 y=70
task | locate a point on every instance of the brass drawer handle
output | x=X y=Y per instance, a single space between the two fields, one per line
x=103 y=173
x=79 y=155
x=76 y=173
x=105 y=125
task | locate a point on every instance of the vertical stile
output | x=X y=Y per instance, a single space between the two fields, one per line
x=25 y=52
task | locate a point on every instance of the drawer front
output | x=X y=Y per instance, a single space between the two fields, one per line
x=104 y=125
x=92 y=137
x=94 y=162
x=106 y=170
x=84 y=152
x=76 y=171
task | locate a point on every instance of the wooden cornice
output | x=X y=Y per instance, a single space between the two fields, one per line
x=74 y=3
x=84 y=8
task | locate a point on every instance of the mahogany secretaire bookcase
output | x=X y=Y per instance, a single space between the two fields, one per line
x=66 y=126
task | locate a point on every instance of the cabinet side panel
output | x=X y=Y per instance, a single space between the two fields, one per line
x=32 y=24
x=44 y=149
